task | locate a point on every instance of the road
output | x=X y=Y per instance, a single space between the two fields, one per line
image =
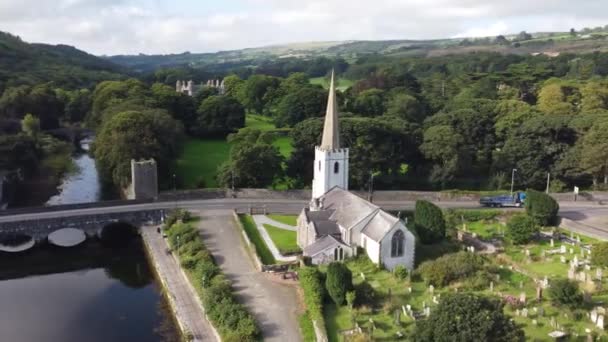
x=273 y=305
x=184 y=300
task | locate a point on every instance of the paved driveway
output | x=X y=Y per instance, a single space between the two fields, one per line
x=274 y=305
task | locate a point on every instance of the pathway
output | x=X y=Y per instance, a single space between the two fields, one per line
x=273 y=305
x=260 y=220
x=182 y=296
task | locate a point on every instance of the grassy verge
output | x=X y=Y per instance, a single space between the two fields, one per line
x=231 y=319
x=198 y=163
x=290 y=220
x=306 y=328
x=256 y=239
x=285 y=240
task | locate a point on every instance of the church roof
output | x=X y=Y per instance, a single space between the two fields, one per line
x=325 y=227
x=380 y=224
x=322 y=244
x=331 y=131
x=349 y=209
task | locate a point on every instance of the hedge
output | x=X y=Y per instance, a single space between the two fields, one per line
x=230 y=318
x=311 y=281
x=450 y=267
x=429 y=222
x=542 y=207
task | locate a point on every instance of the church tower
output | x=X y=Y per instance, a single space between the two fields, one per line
x=331 y=161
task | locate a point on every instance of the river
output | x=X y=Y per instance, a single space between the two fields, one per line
x=87 y=293
x=82 y=185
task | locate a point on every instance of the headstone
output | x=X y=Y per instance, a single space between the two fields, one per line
x=362 y=275
x=562 y=259
x=409 y=289
x=527 y=252
x=524 y=312
x=460 y=235
x=575 y=262
x=404 y=310
x=545 y=282
x=534 y=322
x=522 y=298
x=587 y=267
x=431 y=289
x=600 y=322
x=498 y=277
x=521 y=284
x=435 y=300
x=491 y=286
x=539 y=293
x=552 y=243
x=553 y=323
x=578 y=239
x=571 y=250
x=427 y=311
x=517 y=312
x=593 y=316
x=397 y=317
x=562 y=249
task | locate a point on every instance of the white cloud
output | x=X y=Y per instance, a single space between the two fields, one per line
x=173 y=26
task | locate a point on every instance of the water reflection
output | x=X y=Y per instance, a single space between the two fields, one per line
x=86 y=293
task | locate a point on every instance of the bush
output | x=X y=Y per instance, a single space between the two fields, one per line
x=450 y=267
x=599 y=254
x=400 y=272
x=429 y=222
x=565 y=292
x=542 y=207
x=312 y=285
x=521 y=229
x=468 y=317
x=365 y=294
x=339 y=281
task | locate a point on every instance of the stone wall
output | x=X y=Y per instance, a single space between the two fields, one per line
x=90 y=224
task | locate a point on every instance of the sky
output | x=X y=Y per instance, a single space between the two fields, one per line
x=110 y=27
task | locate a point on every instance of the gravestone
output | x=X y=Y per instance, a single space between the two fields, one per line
x=539 y=293
x=522 y=298
x=524 y=312
x=571 y=250
x=600 y=322
x=409 y=289
x=562 y=249
x=552 y=243
x=534 y=322
x=562 y=259
x=431 y=289
x=593 y=316
x=427 y=311
x=491 y=286
x=599 y=273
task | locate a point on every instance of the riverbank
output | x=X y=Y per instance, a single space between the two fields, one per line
x=185 y=304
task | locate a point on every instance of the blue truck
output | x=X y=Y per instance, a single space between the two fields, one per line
x=516 y=200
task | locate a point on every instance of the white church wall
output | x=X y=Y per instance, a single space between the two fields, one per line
x=409 y=249
x=355 y=231
x=372 y=248
x=325 y=176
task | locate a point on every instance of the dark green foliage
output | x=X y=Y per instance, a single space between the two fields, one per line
x=311 y=281
x=218 y=115
x=466 y=317
x=521 y=229
x=301 y=104
x=542 y=207
x=450 y=267
x=429 y=222
x=339 y=281
x=565 y=292
x=366 y=294
x=599 y=254
x=400 y=272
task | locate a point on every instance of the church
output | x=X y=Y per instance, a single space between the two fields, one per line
x=338 y=223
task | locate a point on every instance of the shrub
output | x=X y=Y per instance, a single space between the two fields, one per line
x=450 y=267
x=339 y=281
x=206 y=271
x=565 y=292
x=312 y=285
x=429 y=222
x=400 y=272
x=468 y=317
x=542 y=207
x=365 y=294
x=521 y=229
x=599 y=254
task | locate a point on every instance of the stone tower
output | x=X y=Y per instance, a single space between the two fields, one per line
x=144 y=179
x=331 y=161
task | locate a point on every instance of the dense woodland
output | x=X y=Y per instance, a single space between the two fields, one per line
x=460 y=121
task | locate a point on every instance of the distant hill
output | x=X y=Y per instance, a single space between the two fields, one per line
x=551 y=43
x=66 y=66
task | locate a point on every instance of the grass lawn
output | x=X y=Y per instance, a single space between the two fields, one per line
x=263 y=123
x=290 y=220
x=256 y=239
x=342 y=83
x=284 y=143
x=484 y=230
x=199 y=162
x=285 y=240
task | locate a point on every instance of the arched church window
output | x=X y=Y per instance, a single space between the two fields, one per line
x=397 y=244
x=319 y=165
x=336 y=167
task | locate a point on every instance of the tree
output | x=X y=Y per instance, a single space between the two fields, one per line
x=599 y=254
x=501 y=40
x=299 y=105
x=136 y=135
x=541 y=207
x=594 y=152
x=565 y=292
x=179 y=105
x=572 y=32
x=219 y=115
x=369 y=103
x=338 y=282
x=30 y=125
x=444 y=146
x=594 y=97
x=523 y=35
x=468 y=317
x=521 y=229
x=406 y=107
x=255 y=90
x=552 y=100
x=429 y=222
x=254 y=162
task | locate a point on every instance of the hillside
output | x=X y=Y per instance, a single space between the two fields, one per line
x=537 y=43
x=66 y=66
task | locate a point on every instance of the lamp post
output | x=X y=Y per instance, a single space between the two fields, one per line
x=512 y=179
x=174 y=191
x=371 y=185
x=548 y=181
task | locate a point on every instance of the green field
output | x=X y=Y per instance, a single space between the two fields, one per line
x=197 y=165
x=256 y=239
x=199 y=161
x=284 y=240
x=342 y=83
x=290 y=220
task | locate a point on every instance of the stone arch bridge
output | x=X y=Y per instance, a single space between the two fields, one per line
x=90 y=224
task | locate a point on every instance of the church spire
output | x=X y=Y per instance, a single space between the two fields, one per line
x=331 y=135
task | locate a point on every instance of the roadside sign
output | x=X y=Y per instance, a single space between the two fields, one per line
x=576 y=190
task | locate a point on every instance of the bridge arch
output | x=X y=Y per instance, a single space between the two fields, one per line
x=67 y=237
x=16 y=242
x=118 y=232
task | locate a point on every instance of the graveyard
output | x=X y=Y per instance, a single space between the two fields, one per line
x=520 y=276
